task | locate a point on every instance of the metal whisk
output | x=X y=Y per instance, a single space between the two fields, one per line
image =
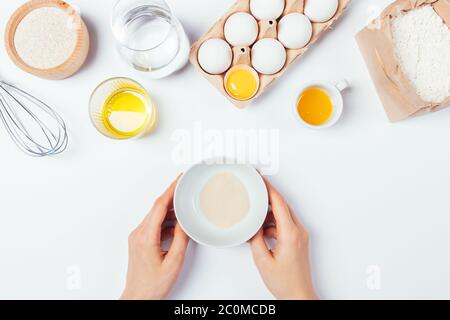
x=33 y=126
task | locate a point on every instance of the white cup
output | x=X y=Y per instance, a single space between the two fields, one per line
x=335 y=93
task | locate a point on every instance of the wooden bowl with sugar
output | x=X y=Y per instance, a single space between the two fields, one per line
x=47 y=38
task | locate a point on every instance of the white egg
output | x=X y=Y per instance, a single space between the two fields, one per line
x=215 y=56
x=295 y=31
x=267 y=9
x=321 y=10
x=268 y=56
x=241 y=29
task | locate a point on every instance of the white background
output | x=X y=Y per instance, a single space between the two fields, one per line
x=370 y=192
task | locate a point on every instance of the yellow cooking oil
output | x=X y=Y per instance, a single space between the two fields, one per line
x=127 y=112
x=241 y=83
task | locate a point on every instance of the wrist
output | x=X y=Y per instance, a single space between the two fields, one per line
x=309 y=296
x=302 y=295
x=134 y=295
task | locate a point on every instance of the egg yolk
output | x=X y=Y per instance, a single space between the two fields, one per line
x=315 y=106
x=241 y=84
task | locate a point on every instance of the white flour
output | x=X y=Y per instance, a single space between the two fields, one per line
x=422 y=46
x=44 y=38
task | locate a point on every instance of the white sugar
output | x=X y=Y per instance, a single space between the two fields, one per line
x=44 y=39
x=422 y=46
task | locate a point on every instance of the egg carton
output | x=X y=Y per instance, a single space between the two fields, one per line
x=267 y=29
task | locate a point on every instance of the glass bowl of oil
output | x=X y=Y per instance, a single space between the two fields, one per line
x=121 y=109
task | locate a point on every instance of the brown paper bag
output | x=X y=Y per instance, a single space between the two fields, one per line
x=397 y=94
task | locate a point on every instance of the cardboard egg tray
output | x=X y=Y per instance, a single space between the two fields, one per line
x=267 y=29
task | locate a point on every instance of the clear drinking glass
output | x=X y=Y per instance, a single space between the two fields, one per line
x=150 y=37
x=101 y=118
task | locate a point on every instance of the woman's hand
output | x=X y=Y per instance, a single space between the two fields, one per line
x=153 y=272
x=286 y=269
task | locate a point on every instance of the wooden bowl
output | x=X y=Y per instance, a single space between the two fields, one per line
x=76 y=59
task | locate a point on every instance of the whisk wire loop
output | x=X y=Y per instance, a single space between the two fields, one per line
x=42 y=137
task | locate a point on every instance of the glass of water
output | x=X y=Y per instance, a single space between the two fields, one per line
x=150 y=37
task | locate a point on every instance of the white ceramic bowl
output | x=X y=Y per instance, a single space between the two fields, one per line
x=194 y=222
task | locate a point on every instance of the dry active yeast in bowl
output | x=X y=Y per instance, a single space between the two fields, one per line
x=221 y=205
x=47 y=38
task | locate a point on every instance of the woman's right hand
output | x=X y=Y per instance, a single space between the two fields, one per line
x=286 y=269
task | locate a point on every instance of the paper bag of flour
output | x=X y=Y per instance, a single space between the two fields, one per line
x=397 y=92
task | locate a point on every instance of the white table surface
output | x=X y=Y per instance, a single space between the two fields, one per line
x=371 y=193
